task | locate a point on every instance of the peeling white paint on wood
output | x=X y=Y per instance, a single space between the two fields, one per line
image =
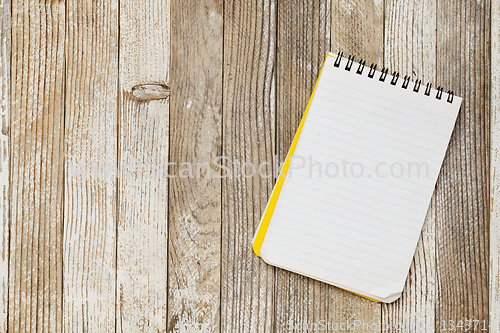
x=144 y=146
x=90 y=211
x=248 y=112
x=5 y=40
x=495 y=170
x=118 y=112
x=36 y=174
x=194 y=248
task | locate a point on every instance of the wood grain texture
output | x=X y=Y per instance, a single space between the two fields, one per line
x=358 y=29
x=410 y=49
x=37 y=109
x=143 y=156
x=462 y=202
x=77 y=146
x=194 y=255
x=303 y=40
x=91 y=141
x=248 y=137
x=410 y=38
x=5 y=49
x=415 y=311
x=494 y=283
x=346 y=309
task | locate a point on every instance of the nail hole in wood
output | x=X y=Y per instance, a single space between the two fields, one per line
x=149 y=92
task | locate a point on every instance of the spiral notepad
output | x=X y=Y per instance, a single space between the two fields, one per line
x=351 y=199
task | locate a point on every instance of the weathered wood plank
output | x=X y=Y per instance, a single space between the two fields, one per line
x=5 y=49
x=462 y=202
x=37 y=109
x=410 y=38
x=357 y=29
x=303 y=41
x=410 y=48
x=351 y=313
x=415 y=311
x=194 y=255
x=91 y=140
x=494 y=286
x=248 y=137
x=143 y=155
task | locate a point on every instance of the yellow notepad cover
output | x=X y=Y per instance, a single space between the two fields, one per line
x=261 y=234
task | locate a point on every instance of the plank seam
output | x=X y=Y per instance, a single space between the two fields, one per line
x=118 y=164
x=222 y=111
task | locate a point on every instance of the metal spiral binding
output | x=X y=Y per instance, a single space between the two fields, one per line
x=428 y=89
x=416 y=88
x=372 y=71
x=361 y=67
x=395 y=77
x=406 y=82
x=383 y=74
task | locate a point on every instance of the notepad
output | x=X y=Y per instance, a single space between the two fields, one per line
x=350 y=202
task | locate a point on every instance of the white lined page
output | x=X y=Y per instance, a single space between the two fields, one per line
x=353 y=219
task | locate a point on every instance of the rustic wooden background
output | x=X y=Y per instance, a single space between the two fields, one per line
x=138 y=253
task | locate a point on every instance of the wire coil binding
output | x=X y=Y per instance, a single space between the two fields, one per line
x=395 y=77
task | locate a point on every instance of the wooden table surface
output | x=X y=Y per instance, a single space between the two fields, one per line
x=137 y=251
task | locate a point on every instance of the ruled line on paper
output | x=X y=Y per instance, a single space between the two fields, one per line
x=389 y=100
x=380 y=230
x=310 y=116
x=372 y=216
x=393 y=252
x=330 y=269
x=385 y=127
x=373 y=198
x=362 y=185
x=343 y=264
x=360 y=137
x=343 y=245
x=384 y=108
x=353 y=229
